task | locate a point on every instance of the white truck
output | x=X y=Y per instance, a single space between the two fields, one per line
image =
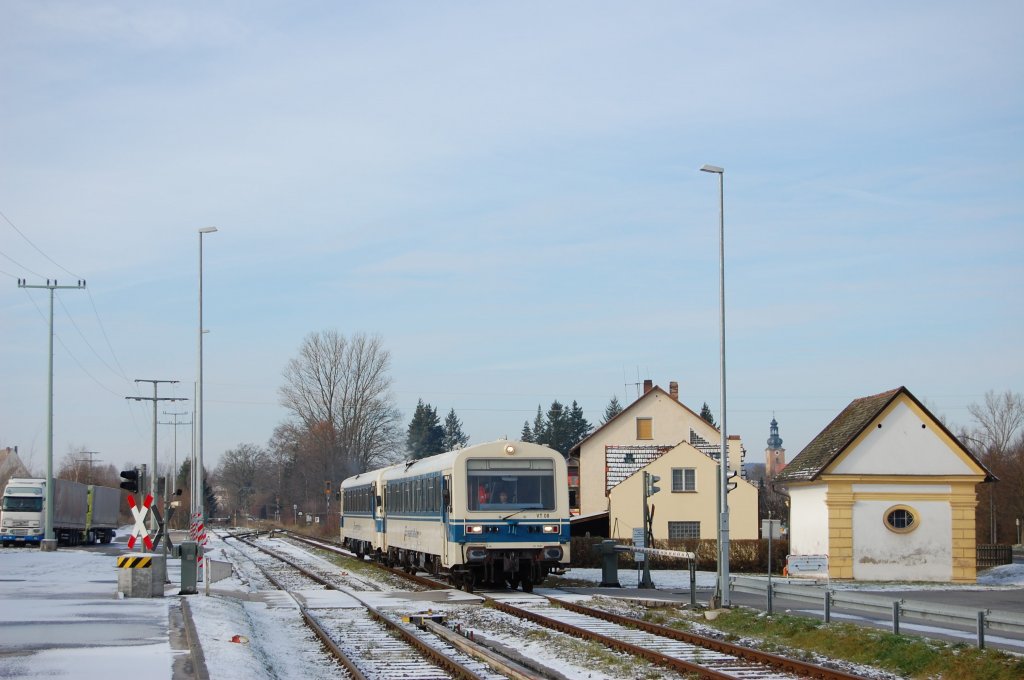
x=81 y=513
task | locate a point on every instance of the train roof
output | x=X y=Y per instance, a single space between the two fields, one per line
x=444 y=461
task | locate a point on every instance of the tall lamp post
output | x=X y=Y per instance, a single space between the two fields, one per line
x=723 y=489
x=201 y=503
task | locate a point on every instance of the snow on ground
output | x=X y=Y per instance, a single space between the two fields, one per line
x=61 y=617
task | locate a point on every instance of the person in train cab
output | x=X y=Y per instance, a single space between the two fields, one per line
x=503 y=496
x=482 y=495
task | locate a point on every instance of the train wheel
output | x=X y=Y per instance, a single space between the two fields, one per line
x=468 y=580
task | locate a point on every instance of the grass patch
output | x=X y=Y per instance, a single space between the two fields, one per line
x=906 y=655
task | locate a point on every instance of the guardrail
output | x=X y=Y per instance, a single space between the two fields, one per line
x=981 y=619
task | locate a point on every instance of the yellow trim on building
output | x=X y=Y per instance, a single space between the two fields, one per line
x=839 y=500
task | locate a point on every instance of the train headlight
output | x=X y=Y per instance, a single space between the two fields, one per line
x=474 y=529
x=510 y=450
x=551 y=528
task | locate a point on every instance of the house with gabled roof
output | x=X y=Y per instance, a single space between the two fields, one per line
x=888 y=493
x=657 y=433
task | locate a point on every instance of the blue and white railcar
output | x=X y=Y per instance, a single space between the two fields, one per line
x=362 y=518
x=492 y=513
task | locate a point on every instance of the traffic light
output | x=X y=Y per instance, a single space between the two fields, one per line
x=327 y=487
x=131 y=483
x=729 y=486
x=651 y=481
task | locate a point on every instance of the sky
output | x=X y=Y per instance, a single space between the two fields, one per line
x=509 y=195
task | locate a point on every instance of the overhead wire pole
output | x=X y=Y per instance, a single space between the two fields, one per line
x=173 y=479
x=175 y=423
x=723 y=487
x=88 y=460
x=49 y=543
x=155 y=399
x=199 y=405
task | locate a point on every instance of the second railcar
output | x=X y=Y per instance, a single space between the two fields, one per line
x=362 y=518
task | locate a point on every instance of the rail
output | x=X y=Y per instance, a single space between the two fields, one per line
x=897 y=608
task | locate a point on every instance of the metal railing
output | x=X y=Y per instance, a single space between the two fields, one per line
x=980 y=619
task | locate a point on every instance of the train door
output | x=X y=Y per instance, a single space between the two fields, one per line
x=446 y=511
x=380 y=517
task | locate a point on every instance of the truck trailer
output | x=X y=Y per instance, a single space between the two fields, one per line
x=81 y=513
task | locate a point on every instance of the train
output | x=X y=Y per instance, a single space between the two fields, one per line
x=490 y=514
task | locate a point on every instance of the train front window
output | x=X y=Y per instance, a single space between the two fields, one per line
x=502 y=484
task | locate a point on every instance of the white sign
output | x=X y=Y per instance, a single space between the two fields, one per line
x=640 y=541
x=807 y=565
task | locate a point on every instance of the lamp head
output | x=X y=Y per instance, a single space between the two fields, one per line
x=207 y=230
x=712 y=168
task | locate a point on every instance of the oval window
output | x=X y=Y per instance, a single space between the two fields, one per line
x=901 y=519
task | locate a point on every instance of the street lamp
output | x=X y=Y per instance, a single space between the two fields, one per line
x=723 y=488
x=200 y=504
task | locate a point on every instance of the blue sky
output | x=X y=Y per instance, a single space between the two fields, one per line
x=509 y=195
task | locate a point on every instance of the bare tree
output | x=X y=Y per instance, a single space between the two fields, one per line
x=999 y=420
x=78 y=465
x=339 y=392
x=998 y=440
x=244 y=475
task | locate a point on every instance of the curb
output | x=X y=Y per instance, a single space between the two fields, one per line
x=195 y=649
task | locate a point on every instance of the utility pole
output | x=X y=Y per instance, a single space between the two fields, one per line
x=49 y=543
x=172 y=482
x=90 y=461
x=153 y=476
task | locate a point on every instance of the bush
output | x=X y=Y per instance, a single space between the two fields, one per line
x=744 y=556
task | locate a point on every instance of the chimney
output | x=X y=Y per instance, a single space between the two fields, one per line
x=673 y=390
x=648 y=385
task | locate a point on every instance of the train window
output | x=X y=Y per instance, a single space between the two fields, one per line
x=494 y=484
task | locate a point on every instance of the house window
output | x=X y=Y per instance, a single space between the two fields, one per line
x=681 y=530
x=684 y=479
x=901 y=519
x=644 y=428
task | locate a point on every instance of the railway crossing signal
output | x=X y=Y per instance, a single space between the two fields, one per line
x=140 y=526
x=131 y=483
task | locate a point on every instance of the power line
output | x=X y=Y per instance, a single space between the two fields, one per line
x=38 y=250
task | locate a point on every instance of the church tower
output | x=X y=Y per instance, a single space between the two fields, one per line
x=774 y=455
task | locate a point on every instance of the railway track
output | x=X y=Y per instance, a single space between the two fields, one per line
x=681 y=651
x=367 y=641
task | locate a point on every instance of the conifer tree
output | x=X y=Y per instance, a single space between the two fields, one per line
x=579 y=428
x=527 y=434
x=425 y=435
x=613 y=409
x=705 y=413
x=538 y=427
x=454 y=437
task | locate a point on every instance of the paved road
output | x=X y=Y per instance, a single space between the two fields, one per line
x=1009 y=600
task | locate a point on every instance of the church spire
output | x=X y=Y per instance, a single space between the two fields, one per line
x=774 y=440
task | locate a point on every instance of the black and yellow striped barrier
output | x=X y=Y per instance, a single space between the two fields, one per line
x=134 y=562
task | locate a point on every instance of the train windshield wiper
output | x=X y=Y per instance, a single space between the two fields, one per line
x=514 y=513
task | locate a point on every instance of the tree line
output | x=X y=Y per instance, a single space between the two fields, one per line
x=343 y=421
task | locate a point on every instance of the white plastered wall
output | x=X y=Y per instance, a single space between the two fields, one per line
x=880 y=554
x=808 y=520
x=905 y=444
